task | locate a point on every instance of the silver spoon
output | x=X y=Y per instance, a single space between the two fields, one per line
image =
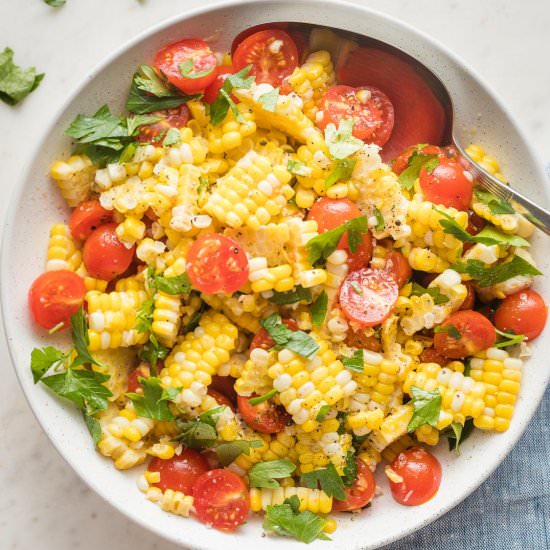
x=537 y=215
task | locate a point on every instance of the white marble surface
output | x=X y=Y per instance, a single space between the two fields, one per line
x=42 y=503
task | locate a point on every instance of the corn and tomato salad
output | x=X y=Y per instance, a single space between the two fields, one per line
x=273 y=290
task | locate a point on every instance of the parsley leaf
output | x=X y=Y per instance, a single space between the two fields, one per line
x=103 y=128
x=508 y=339
x=260 y=399
x=356 y=362
x=295 y=340
x=43 y=359
x=180 y=284
x=342 y=171
x=329 y=480
x=195 y=319
x=152 y=352
x=16 y=83
x=298 y=168
x=323 y=245
x=340 y=142
x=435 y=292
x=269 y=100
x=222 y=104
x=350 y=469
x=427 y=405
x=150 y=93
x=144 y=315
x=299 y=294
x=94 y=427
x=83 y=387
x=380 y=222
x=265 y=474
x=228 y=452
x=55 y=3
x=323 y=411
x=496 y=204
x=415 y=163
x=449 y=329
x=153 y=403
x=196 y=434
x=487 y=276
x=187 y=70
x=81 y=340
x=172 y=137
x=286 y=520
x=319 y=309
x=457 y=433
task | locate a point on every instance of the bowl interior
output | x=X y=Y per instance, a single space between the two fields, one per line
x=37 y=205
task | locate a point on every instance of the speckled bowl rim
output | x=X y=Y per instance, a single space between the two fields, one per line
x=208 y=540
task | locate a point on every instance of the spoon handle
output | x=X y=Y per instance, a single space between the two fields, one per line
x=538 y=216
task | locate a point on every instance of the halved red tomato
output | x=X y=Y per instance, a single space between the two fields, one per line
x=222 y=72
x=224 y=385
x=180 y=472
x=221 y=399
x=221 y=499
x=332 y=213
x=54 y=296
x=266 y=418
x=171 y=118
x=216 y=263
x=360 y=493
x=171 y=61
x=419 y=116
x=283 y=26
x=464 y=333
x=87 y=217
x=368 y=107
x=367 y=296
x=401 y=162
x=470 y=299
x=272 y=54
x=399 y=267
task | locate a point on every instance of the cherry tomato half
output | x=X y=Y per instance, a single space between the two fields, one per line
x=419 y=116
x=368 y=107
x=266 y=418
x=475 y=333
x=222 y=72
x=141 y=371
x=272 y=54
x=367 y=296
x=217 y=264
x=87 y=217
x=429 y=355
x=360 y=493
x=169 y=59
x=447 y=184
x=470 y=299
x=180 y=472
x=332 y=213
x=221 y=399
x=54 y=296
x=224 y=385
x=171 y=118
x=522 y=313
x=221 y=499
x=105 y=257
x=358 y=339
x=399 y=267
x=401 y=162
x=263 y=340
x=421 y=473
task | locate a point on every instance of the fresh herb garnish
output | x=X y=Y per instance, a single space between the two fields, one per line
x=55 y=3
x=154 y=401
x=228 y=452
x=265 y=474
x=16 y=83
x=199 y=433
x=356 y=362
x=298 y=168
x=323 y=411
x=435 y=292
x=350 y=469
x=508 y=339
x=152 y=352
x=487 y=276
x=269 y=100
x=323 y=245
x=187 y=70
x=380 y=222
x=299 y=294
x=415 y=163
x=328 y=479
x=449 y=329
x=457 y=433
x=340 y=142
x=222 y=104
x=172 y=137
x=342 y=171
x=295 y=340
x=319 y=309
x=180 y=284
x=427 y=406
x=144 y=315
x=496 y=204
x=261 y=398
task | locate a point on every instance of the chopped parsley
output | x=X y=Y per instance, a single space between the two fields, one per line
x=299 y=294
x=435 y=292
x=262 y=398
x=154 y=401
x=496 y=204
x=508 y=339
x=415 y=163
x=16 y=83
x=187 y=70
x=356 y=362
x=340 y=142
x=319 y=309
x=268 y=101
x=450 y=330
x=328 y=480
x=222 y=104
x=265 y=474
x=342 y=171
x=427 y=406
x=295 y=340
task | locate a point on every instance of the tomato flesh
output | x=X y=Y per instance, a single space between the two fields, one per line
x=169 y=59
x=222 y=72
x=418 y=118
x=361 y=491
x=476 y=334
x=367 y=296
x=180 y=472
x=224 y=385
x=86 y=218
x=216 y=263
x=332 y=213
x=54 y=296
x=105 y=257
x=221 y=399
x=266 y=418
x=470 y=299
x=429 y=355
x=398 y=266
x=221 y=499
x=272 y=54
x=368 y=107
x=171 y=118
x=522 y=313
x=141 y=371
x=421 y=473
x=447 y=184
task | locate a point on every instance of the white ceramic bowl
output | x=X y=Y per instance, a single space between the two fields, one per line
x=37 y=204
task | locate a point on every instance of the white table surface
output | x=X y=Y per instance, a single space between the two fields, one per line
x=43 y=505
